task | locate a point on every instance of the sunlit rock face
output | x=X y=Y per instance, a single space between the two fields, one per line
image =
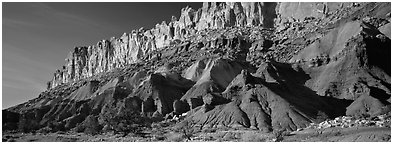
x=133 y=47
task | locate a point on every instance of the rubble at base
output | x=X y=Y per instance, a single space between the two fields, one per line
x=348 y=122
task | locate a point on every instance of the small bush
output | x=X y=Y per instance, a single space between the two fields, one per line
x=187 y=130
x=218 y=136
x=209 y=130
x=126 y=122
x=337 y=133
x=159 y=138
x=279 y=134
x=79 y=128
x=229 y=136
x=175 y=138
x=208 y=138
x=89 y=126
x=253 y=137
x=59 y=126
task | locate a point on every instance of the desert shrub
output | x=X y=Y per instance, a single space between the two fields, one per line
x=91 y=125
x=338 y=133
x=253 y=137
x=79 y=128
x=159 y=138
x=229 y=136
x=187 y=129
x=219 y=135
x=208 y=138
x=176 y=137
x=209 y=130
x=57 y=126
x=279 y=134
x=125 y=122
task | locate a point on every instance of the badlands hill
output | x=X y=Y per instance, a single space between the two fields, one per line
x=264 y=66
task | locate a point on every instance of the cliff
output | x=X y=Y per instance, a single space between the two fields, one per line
x=266 y=66
x=136 y=46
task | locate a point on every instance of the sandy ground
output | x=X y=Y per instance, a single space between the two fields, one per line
x=355 y=134
x=335 y=134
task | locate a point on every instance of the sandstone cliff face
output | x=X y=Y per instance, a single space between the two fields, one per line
x=136 y=46
x=301 y=10
x=220 y=15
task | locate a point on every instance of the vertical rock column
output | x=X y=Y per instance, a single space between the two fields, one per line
x=130 y=48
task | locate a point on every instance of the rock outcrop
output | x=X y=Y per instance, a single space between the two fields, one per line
x=158 y=93
x=138 y=45
x=255 y=103
x=134 y=47
x=211 y=76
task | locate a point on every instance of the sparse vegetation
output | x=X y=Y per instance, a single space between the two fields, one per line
x=177 y=137
x=279 y=134
x=252 y=136
x=127 y=122
x=92 y=126
x=89 y=126
x=209 y=130
x=229 y=136
x=187 y=129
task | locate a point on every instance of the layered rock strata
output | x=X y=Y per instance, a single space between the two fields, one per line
x=133 y=47
x=136 y=46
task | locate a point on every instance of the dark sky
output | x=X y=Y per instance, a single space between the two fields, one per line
x=38 y=36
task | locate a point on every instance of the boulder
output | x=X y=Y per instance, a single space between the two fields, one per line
x=180 y=107
x=385 y=29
